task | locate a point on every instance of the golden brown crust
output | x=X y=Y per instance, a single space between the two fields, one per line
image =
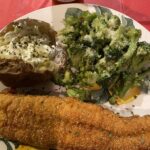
x=65 y=123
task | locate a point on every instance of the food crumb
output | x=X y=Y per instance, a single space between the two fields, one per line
x=132 y=113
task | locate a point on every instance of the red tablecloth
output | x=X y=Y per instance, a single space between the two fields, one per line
x=137 y=9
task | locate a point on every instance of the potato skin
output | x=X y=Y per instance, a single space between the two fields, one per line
x=15 y=72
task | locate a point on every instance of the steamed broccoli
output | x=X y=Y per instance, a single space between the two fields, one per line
x=141 y=60
x=104 y=52
x=89 y=78
x=78 y=93
x=118 y=45
x=118 y=53
x=137 y=72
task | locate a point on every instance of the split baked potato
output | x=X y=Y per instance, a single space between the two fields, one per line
x=29 y=54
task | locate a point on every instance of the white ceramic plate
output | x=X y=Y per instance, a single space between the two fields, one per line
x=55 y=15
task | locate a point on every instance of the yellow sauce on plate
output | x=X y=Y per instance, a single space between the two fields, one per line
x=22 y=147
x=129 y=96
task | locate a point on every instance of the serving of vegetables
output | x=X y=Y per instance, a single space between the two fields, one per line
x=105 y=57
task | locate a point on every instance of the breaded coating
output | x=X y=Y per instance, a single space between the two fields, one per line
x=49 y=122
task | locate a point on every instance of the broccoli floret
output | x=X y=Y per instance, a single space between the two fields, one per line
x=75 y=57
x=138 y=70
x=118 y=44
x=114 y=22
x=121 y=49
x=78 y=93
x=89 y=78
x=103 y=52
x=94 y=96
x=124 y=62
x=141 y=60
x=105 y=69
x=108 y=67
x=68 y=78
x=89 y=58
x=125 y=82
x=99 y=23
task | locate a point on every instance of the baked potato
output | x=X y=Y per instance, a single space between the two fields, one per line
x=29 y=54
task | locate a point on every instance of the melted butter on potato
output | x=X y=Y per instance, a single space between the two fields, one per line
x=28 y=44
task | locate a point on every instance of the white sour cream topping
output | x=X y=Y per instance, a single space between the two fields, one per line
x=30 y=46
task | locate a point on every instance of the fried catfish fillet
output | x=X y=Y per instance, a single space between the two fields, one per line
x=48 y=122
